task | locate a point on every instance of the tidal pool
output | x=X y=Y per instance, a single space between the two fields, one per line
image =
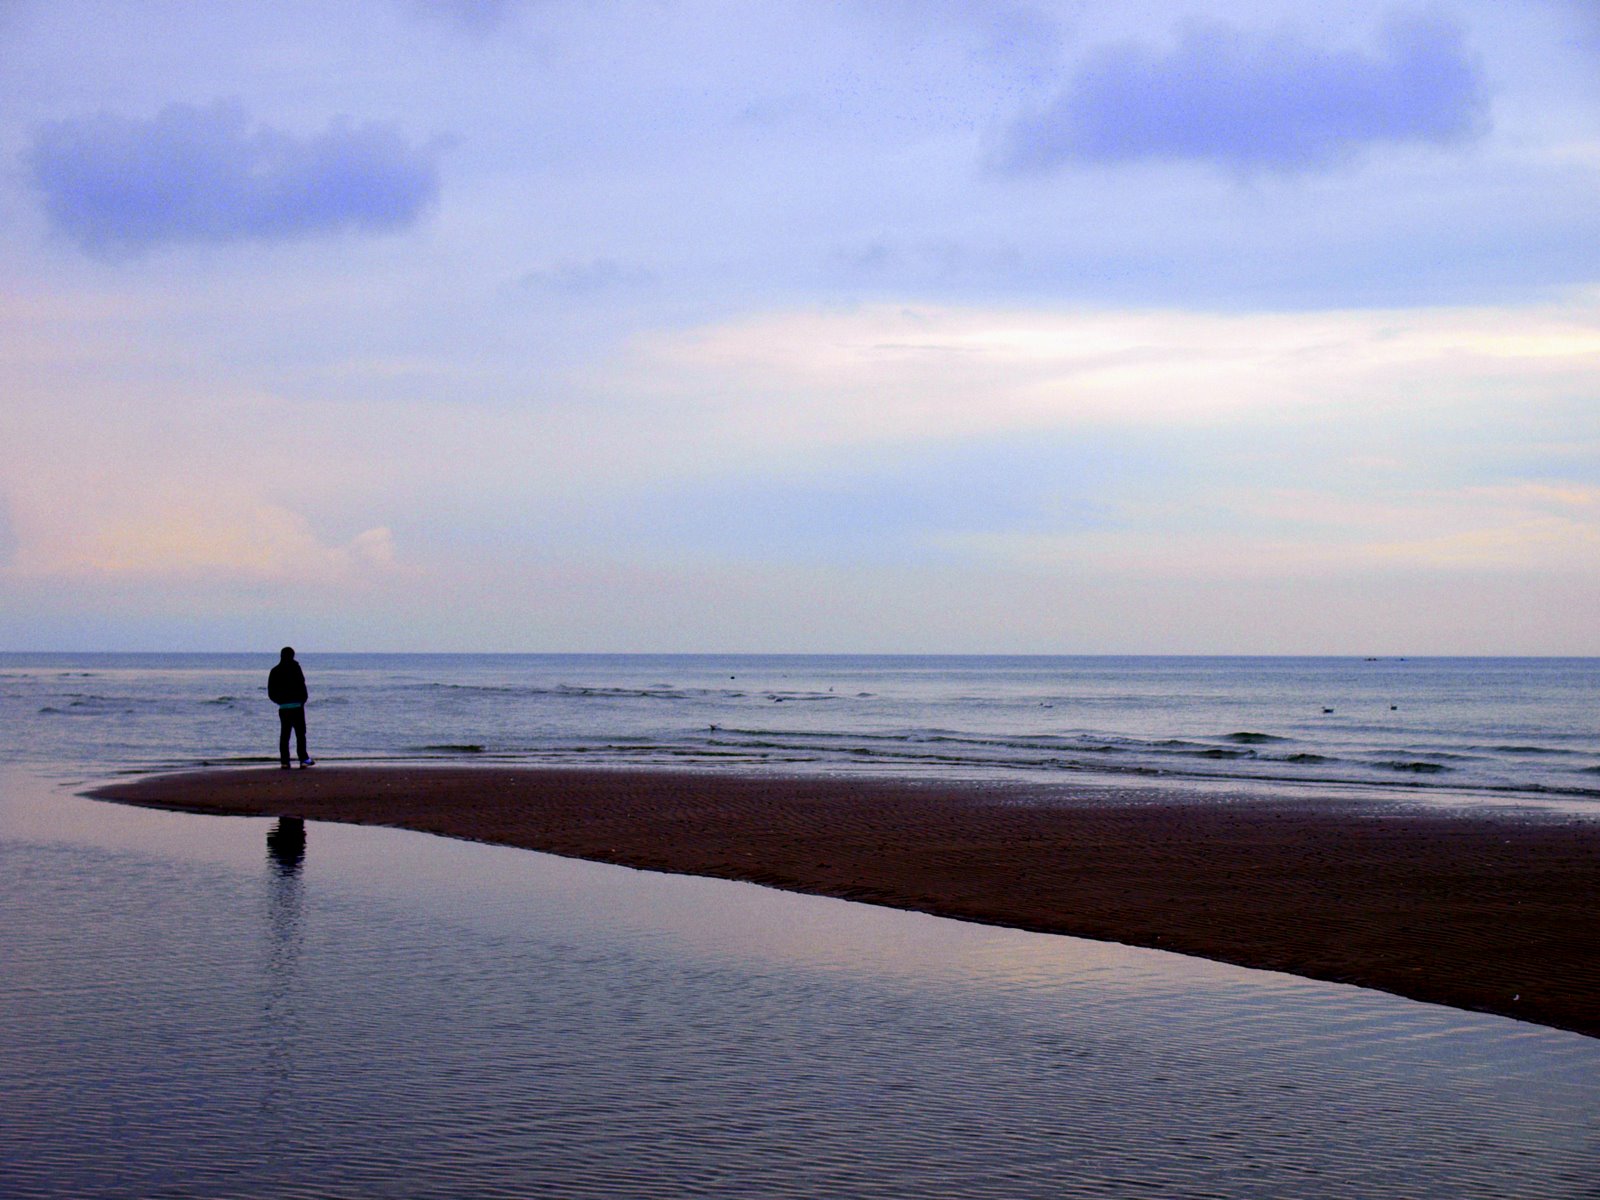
x=217 y=1007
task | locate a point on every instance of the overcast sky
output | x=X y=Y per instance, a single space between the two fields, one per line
x=801 y=325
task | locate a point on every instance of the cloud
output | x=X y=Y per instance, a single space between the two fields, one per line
x=118 y=186
x=477 y=16
x=188 y=539
x=883 y=374
x=1250 y=101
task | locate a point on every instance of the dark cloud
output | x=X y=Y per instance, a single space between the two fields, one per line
x=117 y=186
x=1252 y=101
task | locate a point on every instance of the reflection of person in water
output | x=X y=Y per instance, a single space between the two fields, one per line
x=280 y=1018
x=286 y=845
x=286 y=687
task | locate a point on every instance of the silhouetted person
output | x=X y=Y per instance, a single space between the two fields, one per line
x=286 y=687
x=286 y=845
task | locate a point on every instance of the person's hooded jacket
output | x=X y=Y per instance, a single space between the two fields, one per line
x=286 y=683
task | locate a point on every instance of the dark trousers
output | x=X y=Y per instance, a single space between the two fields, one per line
x=295 y=719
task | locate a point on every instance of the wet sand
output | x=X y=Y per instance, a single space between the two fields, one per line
x=1485 y=910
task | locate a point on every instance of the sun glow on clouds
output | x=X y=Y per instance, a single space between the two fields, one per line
x=1306 y=446
x=262 y=543
x=1274 y=454
x=899 y=373
x=1273 y=443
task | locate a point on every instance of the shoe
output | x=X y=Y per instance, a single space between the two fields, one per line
x=308 y=762
x=285 y=766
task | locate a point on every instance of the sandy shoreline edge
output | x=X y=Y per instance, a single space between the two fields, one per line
x=1487 y=911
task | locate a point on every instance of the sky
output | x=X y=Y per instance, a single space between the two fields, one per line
x=922 y=326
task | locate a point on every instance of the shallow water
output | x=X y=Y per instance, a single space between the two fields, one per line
x=188 y=1010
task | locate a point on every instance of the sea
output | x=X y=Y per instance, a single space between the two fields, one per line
x=203 y=1008
x=1515 y=729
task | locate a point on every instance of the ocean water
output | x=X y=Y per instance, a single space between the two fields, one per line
x=204 y=1007
x=1511 y=728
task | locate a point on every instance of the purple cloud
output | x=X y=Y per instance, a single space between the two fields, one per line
x=1252 y=101
x=117 y=186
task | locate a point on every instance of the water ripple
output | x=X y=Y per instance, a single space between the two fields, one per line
x=483 y=1022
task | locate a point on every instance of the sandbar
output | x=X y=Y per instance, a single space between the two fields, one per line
x=1482 y=909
